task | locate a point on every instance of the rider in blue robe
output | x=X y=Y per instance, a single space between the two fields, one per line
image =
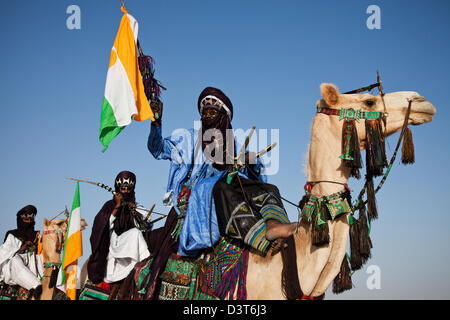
x=196 y=164
x=191 y=168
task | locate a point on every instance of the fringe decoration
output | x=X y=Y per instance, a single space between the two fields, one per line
x=375 y=151
x=371 y=201
x=152 y=86
x=343 y=280
x=290 y=284
x=53 y=278
x=351 y=154
x=303 y=201
x=235 y=277
x=407 y=147
x=365 y=244
x=147 y=69
x=319 y=229
x=355 y=255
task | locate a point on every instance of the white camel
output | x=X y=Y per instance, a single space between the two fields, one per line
x=318 y=266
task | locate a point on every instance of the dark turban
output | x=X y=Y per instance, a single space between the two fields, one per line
x=210 y=91
x=215 y=98
x=25 y=231
x=27 y=210
x=126 y=180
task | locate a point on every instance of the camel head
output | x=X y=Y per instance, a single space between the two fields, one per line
x=53 y=238
x=422 y=111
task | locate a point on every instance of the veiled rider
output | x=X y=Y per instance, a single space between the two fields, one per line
x=116 y=242
x=19 y=262
x=193 y=174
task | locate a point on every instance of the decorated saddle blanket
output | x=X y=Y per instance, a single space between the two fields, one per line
x=8 y=292
x=93 y=291
x=214 y=276
x=243 y=217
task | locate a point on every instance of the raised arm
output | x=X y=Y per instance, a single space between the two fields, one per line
x=159 y=147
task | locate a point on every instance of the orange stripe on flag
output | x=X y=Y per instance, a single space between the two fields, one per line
x=71 y=282
x=126 y=50
x=74 y=248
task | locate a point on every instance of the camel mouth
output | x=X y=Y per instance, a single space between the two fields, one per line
x=417 y=118
x=422 y=111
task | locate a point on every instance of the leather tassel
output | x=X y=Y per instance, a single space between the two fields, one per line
x=407 y=147
x=355 y=255
x=365 y=244
x=53 y=278
x=319 y=229
x=343 y=280
x=59 y=242
x=351 y=155
x=375 y=151
x=371 y=201
x=303 y=201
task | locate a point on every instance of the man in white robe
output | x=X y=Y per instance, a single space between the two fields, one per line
x=117 y=244
x=19 y=262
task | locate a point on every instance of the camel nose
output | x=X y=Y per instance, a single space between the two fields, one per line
x=422 y=105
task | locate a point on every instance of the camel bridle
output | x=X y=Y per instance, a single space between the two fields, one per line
x=357 y=115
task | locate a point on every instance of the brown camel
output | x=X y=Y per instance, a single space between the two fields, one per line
x=52 y=243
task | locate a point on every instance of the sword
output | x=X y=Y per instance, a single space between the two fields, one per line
x=247 y=140
x=266 y=149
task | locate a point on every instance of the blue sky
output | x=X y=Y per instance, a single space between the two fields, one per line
x=269 y=58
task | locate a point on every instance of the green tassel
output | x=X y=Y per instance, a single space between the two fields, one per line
x=319 y=229
x=407 y=147
x=351 y=155
x=355 y=255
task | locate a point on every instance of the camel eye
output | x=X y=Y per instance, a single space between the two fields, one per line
x=369 y=103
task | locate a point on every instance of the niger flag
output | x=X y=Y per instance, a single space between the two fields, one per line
x=73 y=247
x=124 y=91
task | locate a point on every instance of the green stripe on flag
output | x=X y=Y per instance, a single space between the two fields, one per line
x=108 y=125
x=76 y=199
x=75 y=204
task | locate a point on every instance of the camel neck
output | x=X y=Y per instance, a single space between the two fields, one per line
x=323 y=156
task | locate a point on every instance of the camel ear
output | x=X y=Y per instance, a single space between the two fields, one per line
x=46 y=222
x=330 y=94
